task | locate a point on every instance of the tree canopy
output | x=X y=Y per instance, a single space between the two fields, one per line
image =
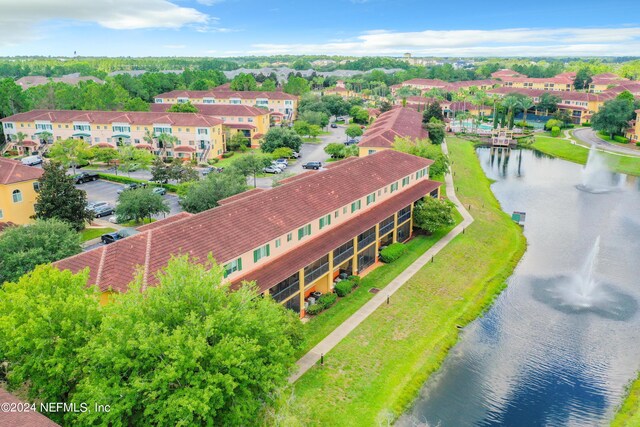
x=278 y=137
x=432 y=214
x=198 y=196
x=186 y=107
x=613 y=117
x=139 y=204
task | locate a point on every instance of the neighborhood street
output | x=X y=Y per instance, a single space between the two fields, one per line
x=589 y=137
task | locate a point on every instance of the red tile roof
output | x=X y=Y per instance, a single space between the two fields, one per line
x=425 y=82
x=244 y=224
x=239 y=125
x=298 y=258
x=505 y=72
x=161 y=223
x=239 y=196
x=223 y=93
x=12 y=171
x=142 y=118
x=184 y=149
x=4 y=225
x=399 y=122
x=21 y=418
x=218 y=110
x=535 y=93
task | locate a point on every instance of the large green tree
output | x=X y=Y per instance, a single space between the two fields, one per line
x=424 y=148
x=71 y=152
x=435 y=128
x=296 y=86
x=353 y=131
x=22 y=248
x=46 y=318
x=432 y=214
x=187 y=352
x=251 y=165
x=59 y=198
x=613 y=117
x=139 y=204
x=198 y=196
x=244 y=82
x=433 y=109
x=186 y=107
x=278 y=137
x=131 y=158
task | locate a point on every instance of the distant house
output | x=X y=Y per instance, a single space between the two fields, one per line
x=602 y=82
x=19 y=188
x=399 y=122
x=633 y=133
x=72 y=79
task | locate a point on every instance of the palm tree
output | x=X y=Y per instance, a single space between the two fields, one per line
x=20 y=137
x=525 y=103
x=510 y=103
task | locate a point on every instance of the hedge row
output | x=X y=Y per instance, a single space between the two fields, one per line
x=127 y=180
x=327 y=300
x=392 y=252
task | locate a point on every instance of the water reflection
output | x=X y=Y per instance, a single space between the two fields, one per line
x=534 y=359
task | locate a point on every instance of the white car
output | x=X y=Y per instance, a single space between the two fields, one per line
x=31 y=160
x=277 y=165
x=113 y=219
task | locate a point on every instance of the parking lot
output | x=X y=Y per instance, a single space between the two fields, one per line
x=106 y=191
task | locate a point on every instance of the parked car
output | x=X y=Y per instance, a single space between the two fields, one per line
x=295 y=155
x=312 y=165
x=334 y=125
x=91 y=206
x=117 y=235
x=283 y=161
x=83 y=177
x=114 y=219
x=159 y=190
x=351 y=142
x=132 y=186
x=206 y=171
x=272 y=169
x=31 y=160
x=103 y=210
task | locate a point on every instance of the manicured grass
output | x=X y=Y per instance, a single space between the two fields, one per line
x=137 y=224
x=92 y=233
x=628 y=414
x=561 y=148
x=375 y=373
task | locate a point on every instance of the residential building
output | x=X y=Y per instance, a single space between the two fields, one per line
x=424 y=85
x=19 y=188
x=292 y=240
x=252 y=122
x=558 y=83
x=72 y=79
x=341 y=89
x=449 y=108
x=198 y=136
x=602 y=82
x=633 y=133
x=276 y=101
x=398 y=122
x=505 y=72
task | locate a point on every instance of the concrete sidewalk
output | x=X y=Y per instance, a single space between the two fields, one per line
x=313 y=356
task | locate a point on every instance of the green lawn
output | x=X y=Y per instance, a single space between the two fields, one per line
x=561 y=148
x=376 y=372
x=133 y=223
x=92 y=233
x=628 y=414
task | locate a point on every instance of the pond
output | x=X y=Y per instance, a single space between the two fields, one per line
x=561 y=342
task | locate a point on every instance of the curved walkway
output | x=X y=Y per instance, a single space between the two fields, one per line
x=307 y=361
x=589 y=137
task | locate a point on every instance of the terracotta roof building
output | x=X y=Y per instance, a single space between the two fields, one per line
x=398 y=122
x=293 y=239
x=18 y=191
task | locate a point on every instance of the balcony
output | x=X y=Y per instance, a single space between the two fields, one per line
x=386 y=228
x=316 y=273
x=286 y=292
x=342 y=256
x=367 y=240
x=403 y=217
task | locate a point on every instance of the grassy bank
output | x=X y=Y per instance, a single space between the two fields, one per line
x=628 y=414
x=558 y=147
x=92 y=233
x=376 y=372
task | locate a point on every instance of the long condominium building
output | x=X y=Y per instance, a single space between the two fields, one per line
x=198 y=136
x=280 y=104
x=396 y=123
x=292 y=240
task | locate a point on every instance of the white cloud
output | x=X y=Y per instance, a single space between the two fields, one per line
x=23 y=17
x=501 y=42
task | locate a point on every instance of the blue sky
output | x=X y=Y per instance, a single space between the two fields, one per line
x=345 y=27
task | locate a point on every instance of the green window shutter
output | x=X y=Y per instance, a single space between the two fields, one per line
x=328 y=219
x=300 y=233
x=256 y=255
x=239 y=264
x=308 y=229
x=268 y=249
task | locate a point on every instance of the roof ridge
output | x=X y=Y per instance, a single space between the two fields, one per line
x=147 y=258
x=103 y=257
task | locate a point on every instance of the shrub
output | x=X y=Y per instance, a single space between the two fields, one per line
x=327 y=300
x=126 y=180
x=620 y=139
x=587 y=124
x=638 y=144
x=555 y=131
x=213 y=161
x=314 y=309
x=227 y=154
x=344 y=287
x=392 y=252
x=355 y=279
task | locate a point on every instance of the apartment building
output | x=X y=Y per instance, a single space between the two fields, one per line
x=398 y=122
x=198 y=136
x=275 y=102
x=602 y=82
x=424 y=85
x=252 y=122
x=19 y=188
x=449 y=108
x=292 y=240
x=633 y=133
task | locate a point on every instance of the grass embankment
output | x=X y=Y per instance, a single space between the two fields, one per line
x=628 y=414
x=92 y=233
x=377 y=371
x=558 y=147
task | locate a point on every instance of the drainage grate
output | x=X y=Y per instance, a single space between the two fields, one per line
x=374 y=290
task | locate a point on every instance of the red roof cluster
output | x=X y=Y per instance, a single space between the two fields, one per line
x=505 y=72
x=226 y=94
x=91 y=116
x=218 y=110
x=398 y=122
x=243 y=224
x=12 y=171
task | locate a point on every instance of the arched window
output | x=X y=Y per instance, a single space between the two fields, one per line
x=17 y=196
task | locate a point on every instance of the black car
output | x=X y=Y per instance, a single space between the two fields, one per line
x=83 y=177
x=312 y=165
x=351 y=142
x=333 y=125
x=102 y=210
x=132 y=186
x=117 y=235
